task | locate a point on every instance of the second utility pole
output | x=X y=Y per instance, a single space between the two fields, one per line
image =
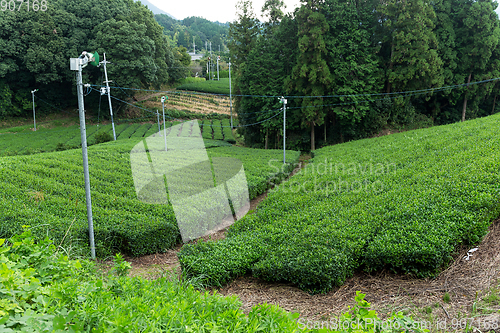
x=104 y=62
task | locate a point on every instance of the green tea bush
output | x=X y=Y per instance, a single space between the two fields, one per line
x=47 y=191
x=402 y=202
x=210 y=86
x=102 y=137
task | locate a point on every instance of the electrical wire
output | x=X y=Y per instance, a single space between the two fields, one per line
x=429 y=90
x=154 y=113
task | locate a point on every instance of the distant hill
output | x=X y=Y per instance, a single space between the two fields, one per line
x=155 y=9
x=203 y=31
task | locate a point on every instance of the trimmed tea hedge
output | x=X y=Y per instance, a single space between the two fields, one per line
x=63 y=138
x=402 y=202
x=211 y=86
x=47 y=192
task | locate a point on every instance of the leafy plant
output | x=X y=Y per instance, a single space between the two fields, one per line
x=121 y=267
x=102 y=137
x=446 y=297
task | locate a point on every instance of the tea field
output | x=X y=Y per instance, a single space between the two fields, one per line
x=201 y=103
x=27 y=142
x=211 y=86
x=402 y=202
x=46 y=191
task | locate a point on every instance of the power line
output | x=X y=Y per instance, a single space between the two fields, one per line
x=154 y=113
x=429 y=90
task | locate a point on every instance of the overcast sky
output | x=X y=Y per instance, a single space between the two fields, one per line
x=219 y=10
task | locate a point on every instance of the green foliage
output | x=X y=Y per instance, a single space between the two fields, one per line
x=35 y=48
x=351 y=50
x=311 y=74
x=102 y=137
x=414 y=62
x=28 y=268
x=402 y=202
x=210 y=86
x=361 y=50
x=446 y=297
x=242 y=35
x=121 y=267
x=182 y=32
x=44 y=291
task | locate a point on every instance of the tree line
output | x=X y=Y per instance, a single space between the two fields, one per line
x=35 y=48
x=362 y=48
x=202 y=31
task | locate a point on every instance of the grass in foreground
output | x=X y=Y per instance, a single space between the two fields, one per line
x=44 y=291
x=402 y=202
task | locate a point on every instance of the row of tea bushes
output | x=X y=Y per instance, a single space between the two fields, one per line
x=402 y=202
x=47 y=192
x=63 y=138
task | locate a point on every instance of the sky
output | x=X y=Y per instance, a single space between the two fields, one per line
x=220 y=10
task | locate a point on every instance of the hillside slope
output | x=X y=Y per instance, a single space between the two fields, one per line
x=402 y=202
x=46 y=191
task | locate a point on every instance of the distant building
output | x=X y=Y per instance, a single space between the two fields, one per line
x=195 y=56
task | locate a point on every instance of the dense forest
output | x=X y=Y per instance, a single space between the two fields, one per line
x=376 y=54
x=181 y=32
x=35 y=48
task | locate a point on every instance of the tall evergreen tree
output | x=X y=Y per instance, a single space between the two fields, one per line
x=414 y=62
x=352 y=58
x=242 y=34
x=311 y=75
x=268 y=65
x=478 y=32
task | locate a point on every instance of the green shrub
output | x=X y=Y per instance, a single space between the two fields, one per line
x=102 y=137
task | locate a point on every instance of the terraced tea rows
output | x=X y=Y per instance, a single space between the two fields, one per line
x=193 y=102
x=26 y=143
x=46 y=191
x=402 y=202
